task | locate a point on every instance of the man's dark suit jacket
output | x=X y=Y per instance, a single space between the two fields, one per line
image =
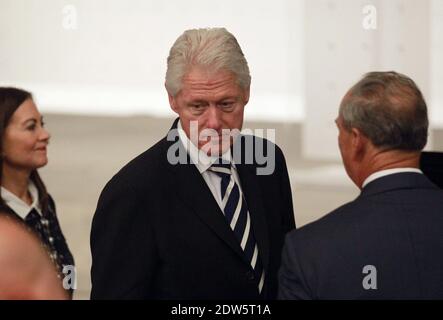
x=158 y=232
x=395 y=225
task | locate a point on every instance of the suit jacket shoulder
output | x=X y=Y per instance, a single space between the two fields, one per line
x=393 y=225
x=143 y=169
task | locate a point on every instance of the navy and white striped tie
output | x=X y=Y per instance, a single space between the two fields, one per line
x=236 y=213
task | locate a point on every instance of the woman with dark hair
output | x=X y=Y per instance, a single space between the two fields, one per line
x=23 y=143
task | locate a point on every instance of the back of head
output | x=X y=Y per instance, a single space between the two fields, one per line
x=212 y=47
x=26 y=270
x=389 y=109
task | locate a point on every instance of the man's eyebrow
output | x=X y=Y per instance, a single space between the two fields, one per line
x=192 y=101
x=228 y=98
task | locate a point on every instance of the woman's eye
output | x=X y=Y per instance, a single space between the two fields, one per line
x=31 y=127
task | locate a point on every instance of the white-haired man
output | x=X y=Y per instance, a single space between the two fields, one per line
x=194 y=217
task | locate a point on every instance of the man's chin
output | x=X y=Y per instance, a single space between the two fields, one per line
x=214 y=150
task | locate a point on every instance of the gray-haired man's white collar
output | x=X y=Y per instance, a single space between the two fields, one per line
x=383 y=173
x=201 y=160
x=20 y=207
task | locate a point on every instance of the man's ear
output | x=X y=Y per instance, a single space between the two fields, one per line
x=246 y=95
x=359 y=143
x=172 y=103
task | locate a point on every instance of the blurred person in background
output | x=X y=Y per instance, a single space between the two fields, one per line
x=23 y=147
x=27 y=273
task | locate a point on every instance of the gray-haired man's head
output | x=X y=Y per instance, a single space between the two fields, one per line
x=383 y=124
x=389 y=109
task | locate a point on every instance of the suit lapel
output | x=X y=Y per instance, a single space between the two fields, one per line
x=193 y=191
x=191 y=188
x=254 y=196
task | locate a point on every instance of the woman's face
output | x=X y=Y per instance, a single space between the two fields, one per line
x=25 y=140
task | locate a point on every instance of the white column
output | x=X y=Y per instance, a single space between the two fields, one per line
x=435 y=100
x=404 y=39
x=340 y=48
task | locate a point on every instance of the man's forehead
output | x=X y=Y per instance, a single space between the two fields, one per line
x=218 y=84
x=200 y=76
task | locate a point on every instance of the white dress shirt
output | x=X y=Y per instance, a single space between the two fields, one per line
x=203 y=162
x=20 y=207
x=383 y=173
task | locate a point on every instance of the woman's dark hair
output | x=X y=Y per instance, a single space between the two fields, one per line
x=10 y=100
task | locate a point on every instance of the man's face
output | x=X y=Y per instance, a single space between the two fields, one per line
x=216 y=101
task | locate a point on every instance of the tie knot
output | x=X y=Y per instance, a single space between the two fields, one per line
x=221 y=168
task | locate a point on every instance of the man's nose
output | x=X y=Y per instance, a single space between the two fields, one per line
x=214 y=118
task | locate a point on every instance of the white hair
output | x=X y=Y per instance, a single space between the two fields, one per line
x=216 y=48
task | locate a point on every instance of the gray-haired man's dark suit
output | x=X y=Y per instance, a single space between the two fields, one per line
x=395 y=227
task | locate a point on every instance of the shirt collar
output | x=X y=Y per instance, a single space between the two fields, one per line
x=20 y=207
x=201 y=160
x=383 y=173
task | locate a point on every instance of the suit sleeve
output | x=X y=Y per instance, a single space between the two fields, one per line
x=292 y=285
x=124 y=256
x=288 y=217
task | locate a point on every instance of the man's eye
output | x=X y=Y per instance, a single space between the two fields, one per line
x=227 y=105
x=197 y=107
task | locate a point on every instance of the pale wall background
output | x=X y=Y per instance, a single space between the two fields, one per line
x=114 y=60
x=109 y=56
